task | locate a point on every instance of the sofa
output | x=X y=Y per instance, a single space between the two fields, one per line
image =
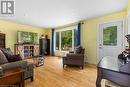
x=15 y=62
x=75 y=58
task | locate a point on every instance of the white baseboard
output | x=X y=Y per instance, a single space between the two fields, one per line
x=91 y=62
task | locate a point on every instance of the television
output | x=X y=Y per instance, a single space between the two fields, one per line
x=27 y=37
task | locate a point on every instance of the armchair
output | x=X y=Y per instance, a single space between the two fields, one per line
x=75 y=58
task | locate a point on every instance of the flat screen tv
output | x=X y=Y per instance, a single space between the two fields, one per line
x=27 y=37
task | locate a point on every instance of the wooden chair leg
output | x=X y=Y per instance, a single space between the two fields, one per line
x=32 y=79
x=63 y=65
x=82 y=67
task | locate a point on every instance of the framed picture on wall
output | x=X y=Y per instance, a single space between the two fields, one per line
x=27 y=37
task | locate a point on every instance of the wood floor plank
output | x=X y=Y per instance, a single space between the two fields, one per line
x=52 y=74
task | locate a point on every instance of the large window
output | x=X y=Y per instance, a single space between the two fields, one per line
x=66 y=40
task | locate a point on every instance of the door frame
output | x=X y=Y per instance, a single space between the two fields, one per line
x=98 y=36
x=127 y=27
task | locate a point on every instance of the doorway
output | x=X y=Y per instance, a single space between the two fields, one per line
x=110 y=39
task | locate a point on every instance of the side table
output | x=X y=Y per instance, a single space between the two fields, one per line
x=38 y=60
x=12 y=77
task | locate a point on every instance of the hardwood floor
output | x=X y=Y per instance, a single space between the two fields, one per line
x=52 y=74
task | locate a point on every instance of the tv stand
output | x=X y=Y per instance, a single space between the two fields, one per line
x=27 y=50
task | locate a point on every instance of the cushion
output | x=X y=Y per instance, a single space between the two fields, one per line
x=13 y=58
x=7 y=51
x=9 y=55
x=3 y=58
x=78 y=50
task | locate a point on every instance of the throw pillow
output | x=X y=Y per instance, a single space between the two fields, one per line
x=6 y=51
x=3 y=58
x=9 y=55
x=9 y=51
x=13 y=58
x=78 y=50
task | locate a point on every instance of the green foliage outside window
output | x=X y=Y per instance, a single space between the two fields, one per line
x=66 y=40
x=110 y=36
x=57 y=40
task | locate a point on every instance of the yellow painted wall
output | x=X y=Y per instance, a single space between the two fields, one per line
x=90 y=29
x=128 y=8
x=10 y=29
x=89 y=34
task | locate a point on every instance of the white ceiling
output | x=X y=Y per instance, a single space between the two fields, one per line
x=54 y=13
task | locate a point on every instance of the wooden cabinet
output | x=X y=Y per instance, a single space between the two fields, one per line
x=27 y=50
x=2 y=40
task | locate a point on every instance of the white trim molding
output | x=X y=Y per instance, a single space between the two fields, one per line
x=91 y=62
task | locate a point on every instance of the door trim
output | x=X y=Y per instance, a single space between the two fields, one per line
x=127 y=28
x=98 y=36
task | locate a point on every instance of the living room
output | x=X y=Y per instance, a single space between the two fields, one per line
x=64 y=43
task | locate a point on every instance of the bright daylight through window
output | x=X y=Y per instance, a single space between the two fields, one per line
x=66 y=40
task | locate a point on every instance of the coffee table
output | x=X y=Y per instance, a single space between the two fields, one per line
x=38 y=60
x=12 y=77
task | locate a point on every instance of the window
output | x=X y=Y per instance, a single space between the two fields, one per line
x=57 y=40
x=66 y=39
x=110 y=36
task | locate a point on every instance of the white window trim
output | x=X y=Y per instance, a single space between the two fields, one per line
x=65 y=29
x=61 y=30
